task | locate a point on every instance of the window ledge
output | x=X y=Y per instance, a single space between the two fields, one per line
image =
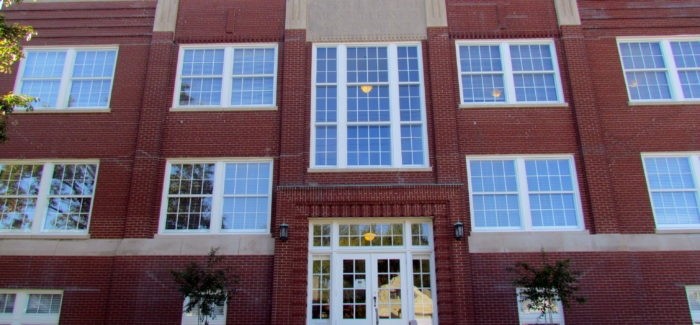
x=48 y=236
x=369 y=170
x=678 y=231
x=223 y=109
x=515 y=105
x=63 y=110
x=663 y=103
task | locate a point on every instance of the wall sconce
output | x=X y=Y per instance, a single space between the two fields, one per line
x=284 y=232
x=459 y=230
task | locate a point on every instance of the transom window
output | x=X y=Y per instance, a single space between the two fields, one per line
x=523 y=193
x=359 y=235
x=661 y=69
x=217 y=196
x=68 y=77
x=46 y=197
x=30 y=307
x=368 y=107
x=227 y=76
x=673 y=181
x=508 y=72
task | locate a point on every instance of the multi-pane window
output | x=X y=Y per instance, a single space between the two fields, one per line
x=30 y=307
x=508 y=72
x=661 y=70
x=693 y=293
x=217 y=196
x=217 y=317
x=68 y=77
x=523 y=193
x=528 y=314
x=673 y=183
x=368 y=107
x=226 y=76
x=46 y=197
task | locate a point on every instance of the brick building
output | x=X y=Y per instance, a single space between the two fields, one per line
x=369 y=130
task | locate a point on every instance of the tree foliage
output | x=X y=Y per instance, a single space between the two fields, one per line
x=206 y=287
x=544 y=286
x=11 y=38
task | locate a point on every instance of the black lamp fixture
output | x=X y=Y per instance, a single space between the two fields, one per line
x=459 y=230
x=284 y=232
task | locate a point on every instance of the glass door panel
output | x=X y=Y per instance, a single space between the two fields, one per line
x=354 y=289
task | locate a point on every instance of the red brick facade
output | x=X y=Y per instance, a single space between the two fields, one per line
x=597 y=126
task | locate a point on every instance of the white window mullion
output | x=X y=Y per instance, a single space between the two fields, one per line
x=394 y=113
x=42 y=200
x=523 y=195
x=217 y=201
x=508 y=78
x=227 y=78
x=695 y=172
x=674 y=80
x=342 y=114
x=63 y=100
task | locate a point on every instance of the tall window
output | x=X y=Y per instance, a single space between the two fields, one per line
x=523 y=193
x=661 y=70
x=217 y=196
x=673 y=181
x=508 y=72
x=30 y=306
x=68 y=77
x=226 y=76
x=46 y=197
x=368 y=107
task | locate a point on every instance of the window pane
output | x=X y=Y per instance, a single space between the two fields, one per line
x=648 y=85
x=422 y=291
x=44 y=64
x=642 y=55
x=669 y=173
x=535 y=87
x=247 y=179
x=480 y=58
x=204 y=62
x=19 y=187
x=190 y=196
x=531 y=58
x=201 y=77
x=690 y=82
x=326 y=146
x=246 y=196
x=90 y=93
x=369 y=107
x=94 y=64
x=7 y=303
x=675 y=208
x=553 y=210
x=369 y=146
x=686 y=54
x=410 y=103
x=673 y=190
x=412 y=145
x=68 y=213
x=245 y=213
x=320 y=289
x=252 y=91
x=45 y=91
x=548 y=175
x=188 y=213
x=420 y=234
x=326 y=65
x=322 y=235
x=483 y=88
x=200 y=91
x=367 y=64
x=408 y=64
x=496 y=210
x=326 y=104
x=253 y=61
x=44 y=304
x=493 y=176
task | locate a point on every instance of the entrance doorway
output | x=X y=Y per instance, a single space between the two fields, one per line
x=371 y=271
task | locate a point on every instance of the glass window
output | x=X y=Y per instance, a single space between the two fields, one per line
x=223 y=196
x=232 y=76
x=320 y=288
x=529 y=315
x=30 y=306
x=673 y=188
x=368 y=111
x=68 y=78
x=661 y=70
x=48 y=198
x=192 y=318
x=508 y=72
x=693 y=293
x=523 y=194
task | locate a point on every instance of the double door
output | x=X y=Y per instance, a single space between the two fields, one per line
x=373 y=289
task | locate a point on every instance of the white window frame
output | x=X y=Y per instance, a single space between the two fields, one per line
x=507 y=72
x=217 y=197
x=694 y=161
x=693 y=293
x=44 y=194
x=527 y=316
x=20 y=316
x=63 y=99
x=523 y=194
x=670 y=68
x=226 y=75
x=192 y=318
x=342 y=123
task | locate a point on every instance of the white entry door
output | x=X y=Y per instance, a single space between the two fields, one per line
x=373 y=289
